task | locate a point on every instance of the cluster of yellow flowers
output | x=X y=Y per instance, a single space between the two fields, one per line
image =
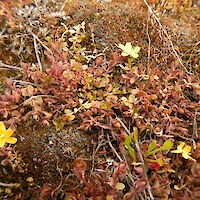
x=5 y=135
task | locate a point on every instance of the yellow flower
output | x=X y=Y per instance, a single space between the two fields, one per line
x=5 y=135
x=128 y=50
x=184 y=150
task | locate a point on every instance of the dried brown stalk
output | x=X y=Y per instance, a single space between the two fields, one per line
x=141 y=159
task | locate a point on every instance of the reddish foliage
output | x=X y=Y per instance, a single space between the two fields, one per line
x=154 y=166
x=79 y=167
x=62 y=77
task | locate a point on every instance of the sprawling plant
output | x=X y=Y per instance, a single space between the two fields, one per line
x=144 y=112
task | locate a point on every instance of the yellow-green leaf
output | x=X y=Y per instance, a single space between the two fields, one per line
x=152 y=145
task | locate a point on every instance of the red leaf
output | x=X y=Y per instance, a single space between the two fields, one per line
x=154 y=166
x=99 y=60
x=139 y=170
x=140 y=185
x=132 y=80
x=79 y=167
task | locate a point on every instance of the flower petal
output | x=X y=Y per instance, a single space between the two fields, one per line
x=136 y=49
x=187 y=148
x=179 y=148
x=121 y=46
x=2 y=142
x=127 y=49
x=8 y=132
x=185 y=155
x=125 y=54
x=11 y=140
x=181 y=145
x=2 y=127
x=177 y=151
x=134 y=55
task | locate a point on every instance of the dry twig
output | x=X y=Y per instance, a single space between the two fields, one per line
x=10 y=185
x=2 y=65
x=141 y=159
x=149 y=40
x=167 y=35
x=36 y=37
x=195 y=134
x=36 y=53
x=23 y=82
x=111 y=146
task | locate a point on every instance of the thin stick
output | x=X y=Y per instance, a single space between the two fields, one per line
x=36 y=37
x=36 y=53
x=2 y=65
x=63 y=6
x=42 y=95
x=141 y=159
x=120 y=121
x=24 y=82
x=100 y=144
x=10 y=184
x=109 y=142
x=61 y=177
x=195 y=135
x=167 y=35
x=149 y=39
x=35 y=1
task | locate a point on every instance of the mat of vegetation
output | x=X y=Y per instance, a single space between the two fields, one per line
x=99 y=100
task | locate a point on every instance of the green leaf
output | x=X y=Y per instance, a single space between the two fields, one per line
x=120 y=186
x=115 y=85
x=160 y=161
x=152 y=145
x=59 y=125
x=131 y=152
x=127 y=143
x=48 y=38
x=168 y=144
x=128 y=139
x=135 y=135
